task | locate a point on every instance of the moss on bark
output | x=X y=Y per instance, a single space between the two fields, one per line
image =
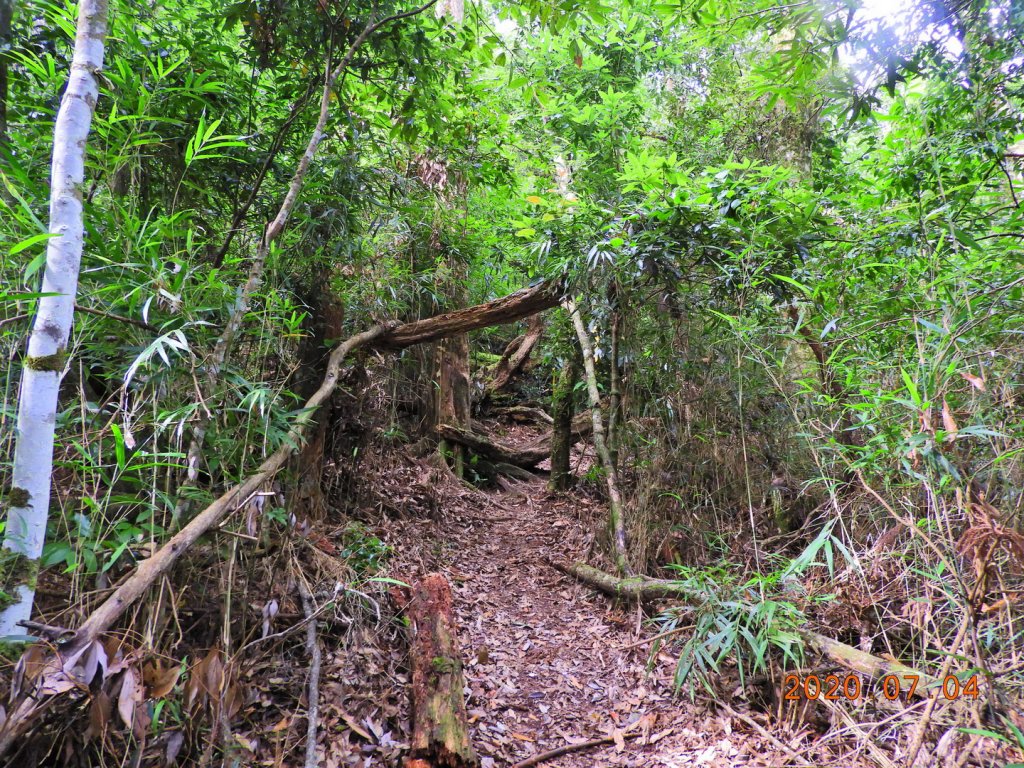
x=54 y=362
x=16 y=570
x=17 y=497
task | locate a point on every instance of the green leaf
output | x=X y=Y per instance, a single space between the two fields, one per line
x=911 y=387
x=796 y=284
x=29 y=242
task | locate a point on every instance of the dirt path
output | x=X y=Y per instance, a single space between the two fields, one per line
x=545 y=665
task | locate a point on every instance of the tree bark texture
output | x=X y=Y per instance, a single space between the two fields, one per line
x=515 y=306
x=453 y=392
x=561 y=431
x=516 y=355
x=440 y=733
x=29 y=495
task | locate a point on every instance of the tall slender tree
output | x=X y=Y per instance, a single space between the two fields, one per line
x=28 y=498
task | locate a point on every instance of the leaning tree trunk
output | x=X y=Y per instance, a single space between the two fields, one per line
x=561 y=431
x=515 y=356
x=222 y=348
x=29 y=495
x=617 y=521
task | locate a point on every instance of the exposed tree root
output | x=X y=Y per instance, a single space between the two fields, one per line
x=646 y=588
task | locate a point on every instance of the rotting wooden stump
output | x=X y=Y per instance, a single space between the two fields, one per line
x=440 y=733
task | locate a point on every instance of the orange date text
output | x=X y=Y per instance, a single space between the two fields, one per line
x=852 y=688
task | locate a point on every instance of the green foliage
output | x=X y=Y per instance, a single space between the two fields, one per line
x=806 y=220
x=362 y=551
x=733 y=619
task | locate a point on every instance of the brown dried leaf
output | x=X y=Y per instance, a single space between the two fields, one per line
x=28 y=668
x=975 y=381
x=159 y=681
x=130 y=697
x=205 y=682
x=948 y=422
x=99 y=716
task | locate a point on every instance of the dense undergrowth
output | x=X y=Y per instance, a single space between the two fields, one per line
x=794 y=233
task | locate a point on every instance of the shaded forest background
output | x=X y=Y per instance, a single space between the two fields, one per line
x=792 y=237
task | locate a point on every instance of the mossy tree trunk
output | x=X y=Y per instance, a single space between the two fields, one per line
x=440 y=732
x=562 y=437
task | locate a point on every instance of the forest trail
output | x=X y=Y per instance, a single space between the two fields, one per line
x=546 y=659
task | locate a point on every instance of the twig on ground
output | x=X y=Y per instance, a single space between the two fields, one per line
x=917 y=739
x=792 y=753
x=551 y=754
x=865 y=738
x=659 y=636
x=313 y=695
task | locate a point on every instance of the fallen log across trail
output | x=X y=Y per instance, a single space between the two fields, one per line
x=525 y=457
x=60 y=671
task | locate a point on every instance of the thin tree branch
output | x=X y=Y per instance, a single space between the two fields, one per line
x=315 y=661
x=118 y=318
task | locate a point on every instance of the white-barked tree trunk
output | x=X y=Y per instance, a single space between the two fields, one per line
x=28 y=498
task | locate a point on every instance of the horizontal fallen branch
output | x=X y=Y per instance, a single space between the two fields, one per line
x=568 y=749
x=507 y=309
x=494 y=450
x=646 y=588
x=525 y=457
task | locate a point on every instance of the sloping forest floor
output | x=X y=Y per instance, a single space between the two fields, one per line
x=548 y=662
